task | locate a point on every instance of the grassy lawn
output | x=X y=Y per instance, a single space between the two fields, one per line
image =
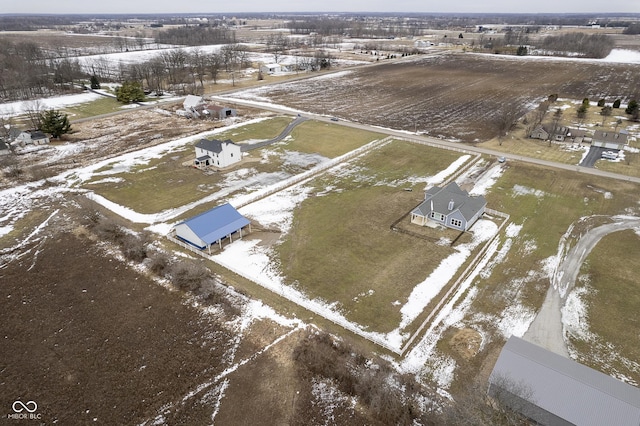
x=535 y=148
x=100 y=106
x=265 y=129
x=162 y=184
x=341 y=247
x=329 y=140
x=545 y=218
x=613 y=303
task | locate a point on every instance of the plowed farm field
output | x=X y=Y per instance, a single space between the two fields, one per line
x=456 y=95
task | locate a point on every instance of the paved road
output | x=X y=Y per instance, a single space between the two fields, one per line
x=546 y=329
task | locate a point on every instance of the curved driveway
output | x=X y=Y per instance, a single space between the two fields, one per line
x=546 y=330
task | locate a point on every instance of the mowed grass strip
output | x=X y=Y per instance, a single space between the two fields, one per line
x=613 y=303
x=341 y=248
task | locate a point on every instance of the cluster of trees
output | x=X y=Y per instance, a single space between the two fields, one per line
x=28 y=73
x=632 y=29
x=196 y=36
x=590 y=46
x=389 y=398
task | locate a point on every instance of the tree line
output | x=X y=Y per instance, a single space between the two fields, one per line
x=589 y=46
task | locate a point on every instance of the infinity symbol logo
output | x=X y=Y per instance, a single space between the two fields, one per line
x=20 y=406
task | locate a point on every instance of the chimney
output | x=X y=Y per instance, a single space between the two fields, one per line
x=450 y=205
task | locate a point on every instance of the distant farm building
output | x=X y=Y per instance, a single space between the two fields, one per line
x=553 y=390
x=219 y=112
x=22 y=138
x=449 y=206
x=271 y=68
x=191 y=107
x=609 y=140
x=216 y=153
x=212 y=227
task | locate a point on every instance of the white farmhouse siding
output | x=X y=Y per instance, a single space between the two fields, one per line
x=449 y=206
x=216 y=153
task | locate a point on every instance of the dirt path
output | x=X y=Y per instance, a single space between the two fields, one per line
x=546 y=329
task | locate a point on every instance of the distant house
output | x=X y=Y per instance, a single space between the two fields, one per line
x=212 y=227
x=216 y=153
x=19 y=137
x=219 y=112
x=545 y=133
x=609 y=140
x=271 y=68
x=579 y=136
x=39 y=138
x=553 y=390
x=449 y=206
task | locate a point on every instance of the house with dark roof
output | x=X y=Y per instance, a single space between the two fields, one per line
x=553 y=390
x=449 y=206
x=216 y=153
x=545 y=133
x=39 y=138
x=609 y=140
x=212 y=227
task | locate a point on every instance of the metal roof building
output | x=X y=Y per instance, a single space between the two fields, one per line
x=555 y=390
x=212 y=227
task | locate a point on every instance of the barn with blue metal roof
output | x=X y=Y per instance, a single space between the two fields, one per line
x=212 y=227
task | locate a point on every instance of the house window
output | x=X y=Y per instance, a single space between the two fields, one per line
x=456 y=222
x=437 y=216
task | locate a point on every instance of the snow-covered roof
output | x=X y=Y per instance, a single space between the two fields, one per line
x=191 y=101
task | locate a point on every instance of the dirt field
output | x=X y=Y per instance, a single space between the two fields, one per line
x=454 y=95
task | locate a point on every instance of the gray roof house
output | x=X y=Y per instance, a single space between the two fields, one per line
x=449 y=206
x=553 y=390
x=544 y=133
x=39 y=138
x=610 y=140
x=216 y=153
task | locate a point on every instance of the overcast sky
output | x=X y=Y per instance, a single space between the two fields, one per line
x=228 y=7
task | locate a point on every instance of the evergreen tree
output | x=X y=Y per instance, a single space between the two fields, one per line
x=616 y=103
x=522 y=51
x=130 y=91
x=632 y=107
x=55 y=123
x=95 y=83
